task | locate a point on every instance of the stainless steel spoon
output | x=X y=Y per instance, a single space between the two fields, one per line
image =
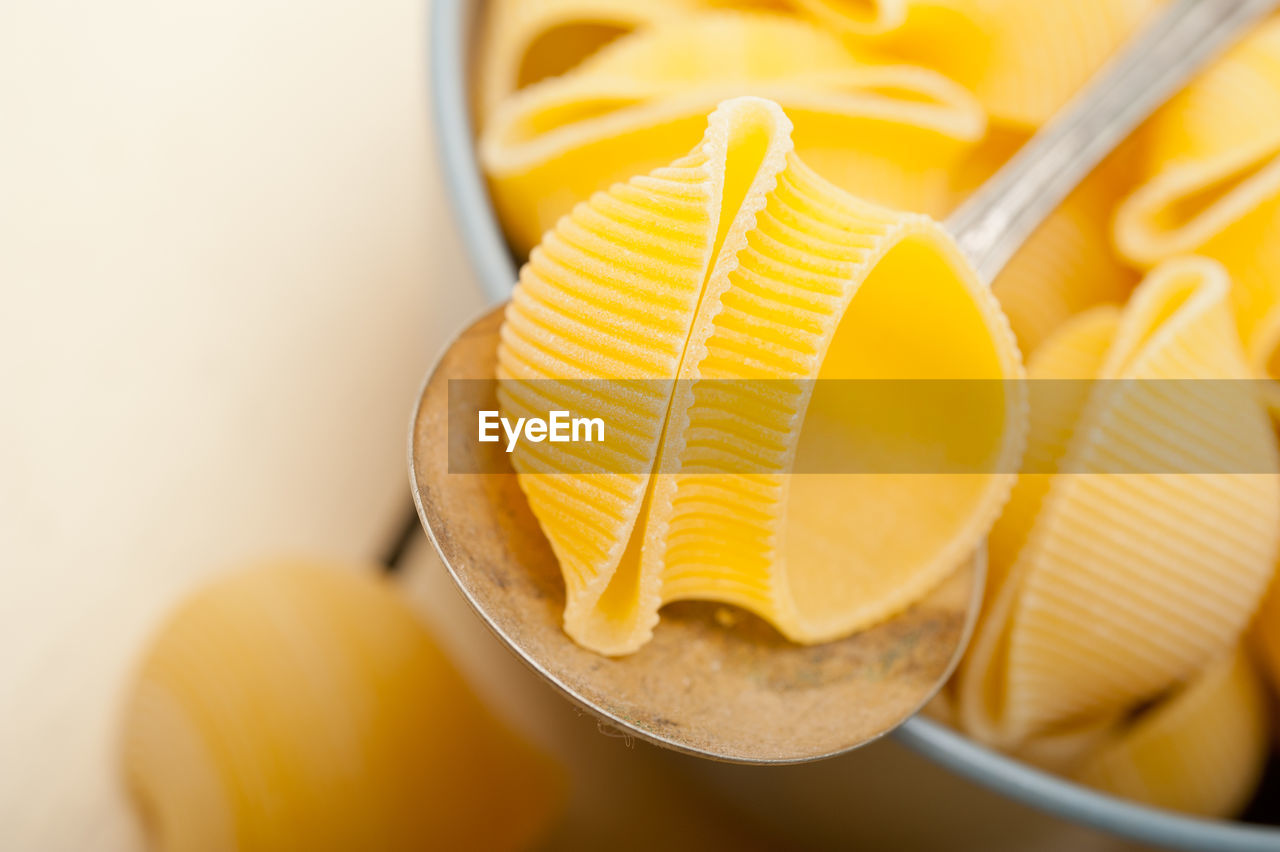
x=731 y=688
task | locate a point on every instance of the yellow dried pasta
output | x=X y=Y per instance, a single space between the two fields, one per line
x=1108 y=588
x=1023 y=60
x=524 y=42
x=1200 y=751
x=1106 y=591
x=1066 y=267
x=1069 y=264
x=301 y=705
x=739 y=263
x=1211 y=185
x=642 y=101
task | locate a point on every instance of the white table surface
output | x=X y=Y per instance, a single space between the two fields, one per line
x=226 y=262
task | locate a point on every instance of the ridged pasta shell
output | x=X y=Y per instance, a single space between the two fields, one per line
x=1109 y=588
x=642 y=102
x=1212 y=186
x=1200 y=751
x=746 y=276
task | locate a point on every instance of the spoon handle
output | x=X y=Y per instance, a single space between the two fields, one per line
x=995 y=221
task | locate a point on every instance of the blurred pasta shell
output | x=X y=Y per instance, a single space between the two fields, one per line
x=1211 y=185
x=303 y=706
x=1200 y=751
x=526 y=41
x=1069 y=263
x=1024 y=60
x=523 y=42
x=891 y=134
x=1107 y=590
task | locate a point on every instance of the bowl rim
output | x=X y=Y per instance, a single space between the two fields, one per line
x=449 y=33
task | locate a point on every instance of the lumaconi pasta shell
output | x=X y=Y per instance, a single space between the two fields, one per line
x=1212 y=186
x=1070 y=263
x=1107 y=590
x=1023 y=60
x=525 y=42
x=1201 y=751
x=742 y=265
x=301 y=705
x=642 y=102
x=612 y=293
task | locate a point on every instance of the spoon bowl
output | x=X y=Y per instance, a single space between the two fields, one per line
x=715 y=681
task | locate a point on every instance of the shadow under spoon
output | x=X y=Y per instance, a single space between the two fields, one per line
x=731 y=688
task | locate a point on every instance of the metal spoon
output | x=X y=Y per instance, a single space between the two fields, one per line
x=731 y=688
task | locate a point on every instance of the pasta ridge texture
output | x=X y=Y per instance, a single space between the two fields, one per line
x=789 y=280
x=1108 y=589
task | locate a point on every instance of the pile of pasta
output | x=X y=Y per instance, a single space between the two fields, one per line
x=1127 y=636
